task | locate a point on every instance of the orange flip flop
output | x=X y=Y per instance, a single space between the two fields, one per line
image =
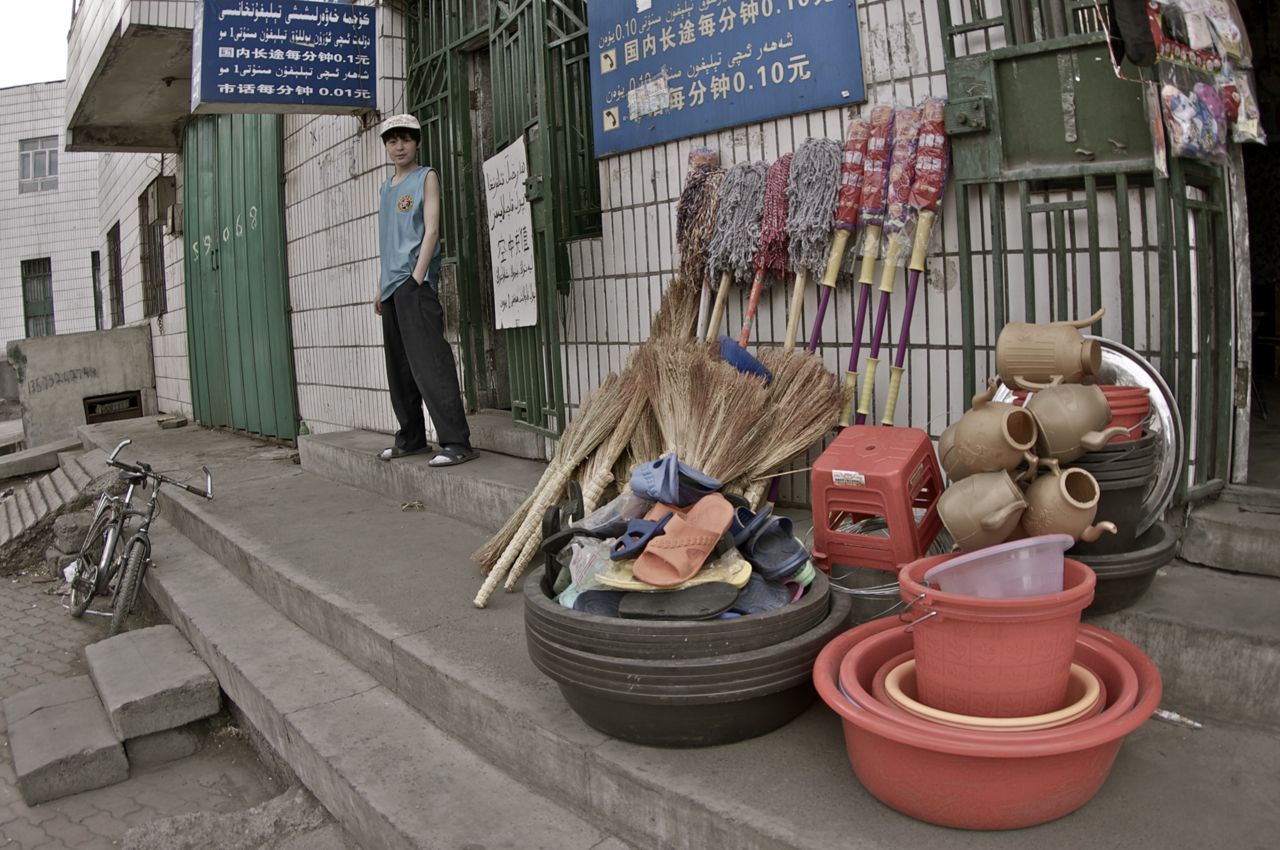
x=677 y=555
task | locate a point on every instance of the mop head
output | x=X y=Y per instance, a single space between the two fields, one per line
x=737 y=233
x=774 y=255
x=695 y=222
x=811 y=202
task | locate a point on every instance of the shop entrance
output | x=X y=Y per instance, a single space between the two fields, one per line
x=236 y=282
x=481 y=75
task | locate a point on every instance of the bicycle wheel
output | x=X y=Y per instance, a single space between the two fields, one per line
x=127 y=589
x=90 y=557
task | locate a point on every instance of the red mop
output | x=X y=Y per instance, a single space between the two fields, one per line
x=906 y=132
x=846 y=220
x=871 y=212
x=773 y=255
x=932 y=155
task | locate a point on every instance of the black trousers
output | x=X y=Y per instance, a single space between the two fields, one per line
x=420 y=367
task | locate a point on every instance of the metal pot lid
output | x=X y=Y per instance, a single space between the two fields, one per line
x=1122 y=366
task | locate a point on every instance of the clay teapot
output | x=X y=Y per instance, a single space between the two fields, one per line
x=1065 y=501
x=991 y=436
x=981 y=510
x=1032 y=357
x=1069 y=417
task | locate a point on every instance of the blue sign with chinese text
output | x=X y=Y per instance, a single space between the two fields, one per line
x=667 y=69
x=283 y=56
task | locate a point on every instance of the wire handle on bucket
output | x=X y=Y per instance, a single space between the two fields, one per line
x=907 y=605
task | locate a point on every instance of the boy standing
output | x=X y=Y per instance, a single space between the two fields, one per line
x=420 y=365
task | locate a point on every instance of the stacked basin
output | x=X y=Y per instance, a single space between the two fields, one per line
x=683 y=683
x=986 y=712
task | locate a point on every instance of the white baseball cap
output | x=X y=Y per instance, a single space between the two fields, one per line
x=397 y=122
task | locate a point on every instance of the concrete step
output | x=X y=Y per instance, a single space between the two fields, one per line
x=495 y=431
x=150 y=680
x=483 y=492
x=26 y=509
x=52 y=497
x=63 y=484
x=1233 y=536
x=389 y=776
x=69 y=463
x=61 y=741
x=14 y=518
x=1215 y=637
x=35 y=460
x=38 y=501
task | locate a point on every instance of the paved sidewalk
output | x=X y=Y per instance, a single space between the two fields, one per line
x=40 y=643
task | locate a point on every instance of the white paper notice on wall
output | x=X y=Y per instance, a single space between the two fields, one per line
x=515 y=286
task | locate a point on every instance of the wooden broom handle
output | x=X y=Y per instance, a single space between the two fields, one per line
x=717 y=312
x=797 y=303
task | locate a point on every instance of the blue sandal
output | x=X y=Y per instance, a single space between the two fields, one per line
x=671 y=482
x=637 y=536
x=746 y=524
x=453 y=455
x=774 y=550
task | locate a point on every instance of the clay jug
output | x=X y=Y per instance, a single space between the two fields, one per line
x=1069 y=417
x=1064 y=502
x=981 y=510
x=1032 y=357
x=991 y=436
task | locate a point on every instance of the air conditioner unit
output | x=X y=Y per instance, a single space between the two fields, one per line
x=160 y=197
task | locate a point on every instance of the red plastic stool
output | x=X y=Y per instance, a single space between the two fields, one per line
x=874 y=471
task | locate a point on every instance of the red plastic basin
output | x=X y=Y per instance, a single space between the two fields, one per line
x=994 y=657
x=986 y=780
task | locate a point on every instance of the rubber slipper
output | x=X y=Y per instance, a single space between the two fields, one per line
x=762 y=595
x=742 y=360
x=701 y=602
x=637 y=536
x=677 y=555
x=393 y=452
x=730 y=569
x=746 y=524
x=602 y=603
x=668 y=480
x=774 y=550
x=452 y=456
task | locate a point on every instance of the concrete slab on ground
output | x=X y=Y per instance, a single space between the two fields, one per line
x=1229 y=536
x=151 y=680
x=164 y=746
x=403 y=614
x=34 y=460
x=61 y=741
x=495 y=431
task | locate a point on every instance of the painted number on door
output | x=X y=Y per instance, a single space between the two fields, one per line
x=207 y=240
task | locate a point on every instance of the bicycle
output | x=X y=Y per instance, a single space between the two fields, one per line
x=101 y=563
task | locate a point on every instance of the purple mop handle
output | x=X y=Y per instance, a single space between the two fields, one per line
x=882 y=312
x=913 y=286
x=815 y=336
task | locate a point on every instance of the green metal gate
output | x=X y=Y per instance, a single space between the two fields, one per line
x=1055 y=173
x=236 y=280
x=538 y=56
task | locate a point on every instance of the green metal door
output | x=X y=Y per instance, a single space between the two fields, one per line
x=237 y=283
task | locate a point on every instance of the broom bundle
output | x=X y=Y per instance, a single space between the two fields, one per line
x=594 y=424
x=805 y=401
x=677 y=315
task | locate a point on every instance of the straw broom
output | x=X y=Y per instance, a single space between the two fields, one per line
x=805 y=401
x=593 y=425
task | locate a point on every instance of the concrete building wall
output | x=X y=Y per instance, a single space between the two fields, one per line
x=57 y=223
x=123 y=178
x=333 y=168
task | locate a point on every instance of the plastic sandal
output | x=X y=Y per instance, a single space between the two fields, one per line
x=668 y=480
x=700 y=602
x=774 y=550
x=676 y=556
x=762 y=595
x=452 y=456
x=746 y=524
x=637 y=536
x=601 y=603
x=393 y=452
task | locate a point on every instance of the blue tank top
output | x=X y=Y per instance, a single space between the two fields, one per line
x=400 y=232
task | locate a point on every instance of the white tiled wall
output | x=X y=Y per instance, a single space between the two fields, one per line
x=123 y=177
x=333 y=168
x=58 y=224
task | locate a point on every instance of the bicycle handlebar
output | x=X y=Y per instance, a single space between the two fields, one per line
x=145 y=470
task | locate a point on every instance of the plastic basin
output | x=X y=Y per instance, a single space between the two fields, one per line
x=1007 y=657
x=895 y=685
x=972 y=779
x=1028 y=567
